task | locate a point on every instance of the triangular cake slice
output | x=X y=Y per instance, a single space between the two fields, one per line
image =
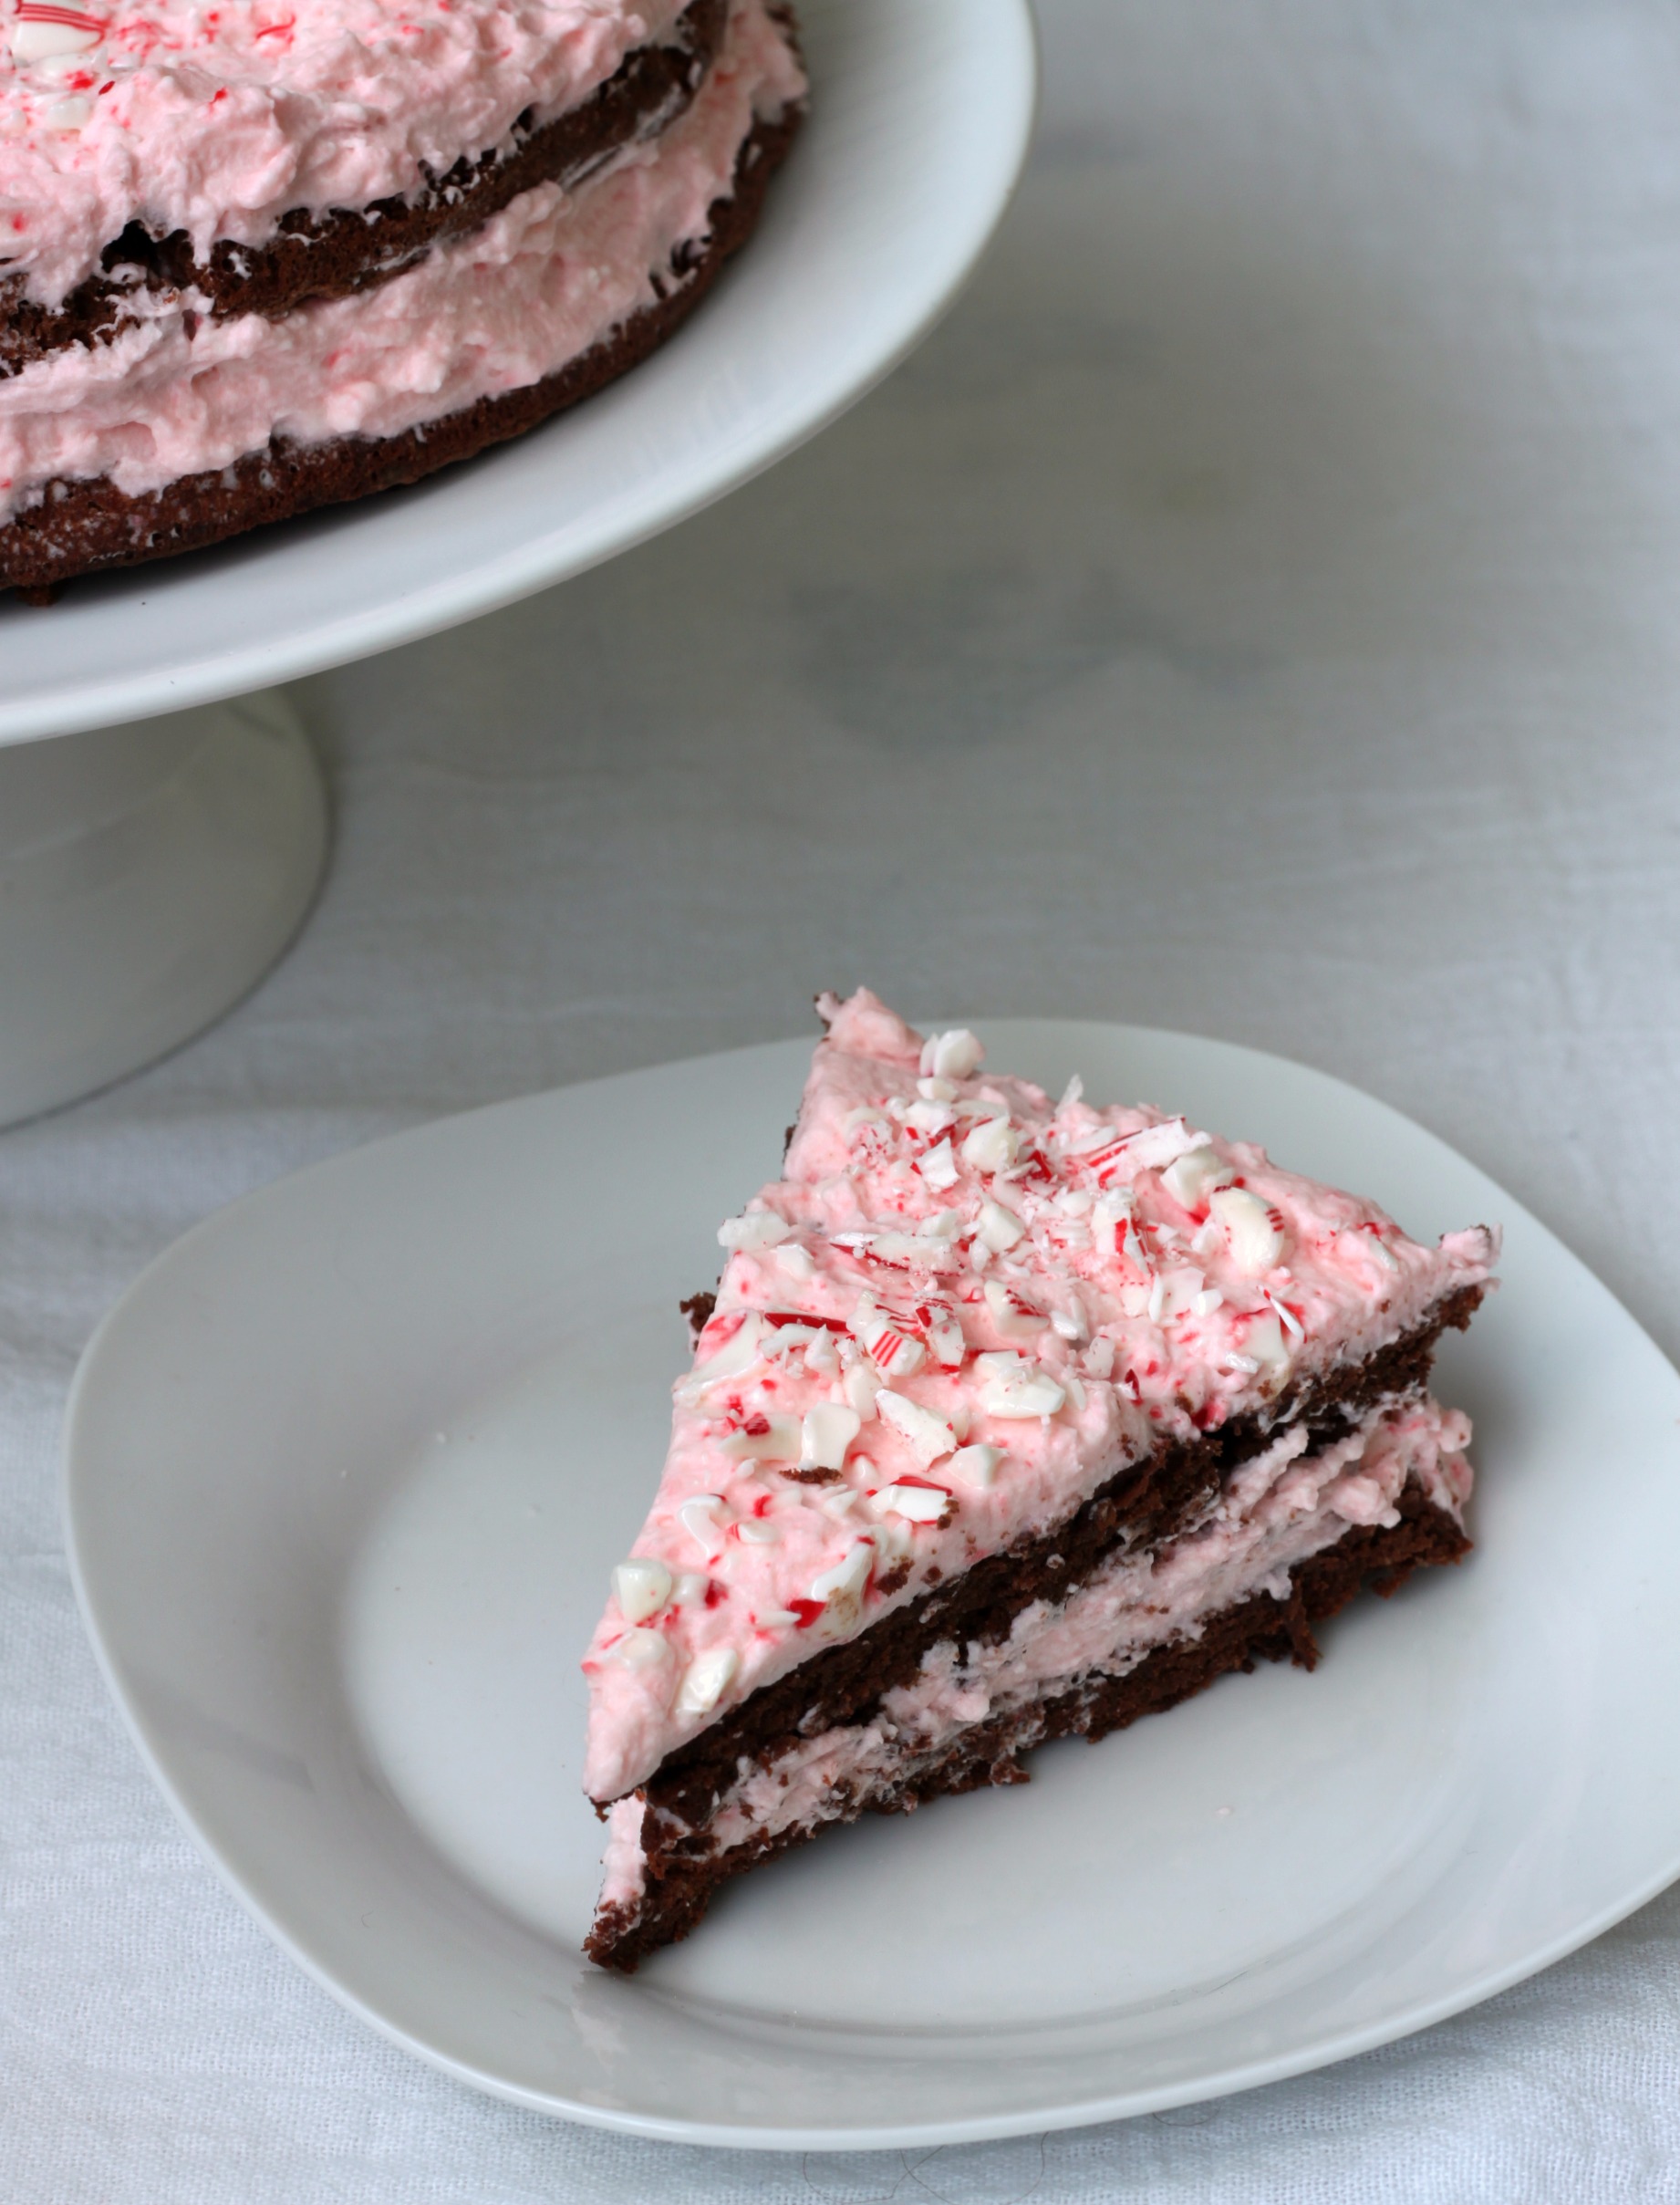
x=1010 y=1418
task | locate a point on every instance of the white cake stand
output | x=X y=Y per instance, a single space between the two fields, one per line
x=156 y=858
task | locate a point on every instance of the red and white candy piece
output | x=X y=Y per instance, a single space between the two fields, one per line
x=764 y=1438
x=1195 y=1174
x=41 y=31
x=1014 y=1317
x=737 y=1354
x=643 y=1586
x=841 y=1589
x=892 y=1350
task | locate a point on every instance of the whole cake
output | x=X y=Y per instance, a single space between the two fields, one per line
x=257 y=257
x=1010 y=1418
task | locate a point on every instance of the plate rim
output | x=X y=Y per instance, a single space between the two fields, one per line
x=1090 y=2111
x=257 y=662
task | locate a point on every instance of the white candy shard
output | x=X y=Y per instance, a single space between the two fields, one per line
x=699 y=1520
x=938 y=1166
x=1157 y=1146
x=690 y=1588
x=918 y=1503
x=643 y=1588
x=841 y=1589
x=1012 y=1314
x=946 y=1344
x=893 y=1540
x=861 y=1386
x=737 y=1354
x=827 y=1432
x=1206 y=1301
x=1254 y=1240
x=706 y=1679
x=1195 y=1174
x=936 y=1091
x=755 y=1532
x=757 y=1229
x=1263 y=1343
x=999 y=1228
x=994 y=1146
x=643 y=1649
x=1100 y=1357
x=976 y=1466
x=774 y=1619
x=953 y=1055
x=930 y=1436
x=929 y=1117
x=795 y=1261
x=1013 y=1387
x=41 y=41
x=1071 y=1324
x=72 y=114
x=764 y=1439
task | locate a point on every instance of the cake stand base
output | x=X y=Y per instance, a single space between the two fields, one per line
x=150 y=875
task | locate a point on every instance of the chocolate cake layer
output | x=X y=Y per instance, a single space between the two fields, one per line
x=1142 y=1504
x=683 y=1876
x=83 y=527
x=332 y=254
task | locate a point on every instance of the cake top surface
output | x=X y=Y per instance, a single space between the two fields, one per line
x=962 y=1307
x=219 y=119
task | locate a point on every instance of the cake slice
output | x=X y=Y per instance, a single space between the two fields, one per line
x=1010 y=1418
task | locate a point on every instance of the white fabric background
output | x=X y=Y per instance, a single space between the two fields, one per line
x=1254 y=611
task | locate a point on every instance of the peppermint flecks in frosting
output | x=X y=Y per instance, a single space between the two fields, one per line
x=961 y=1309
x=218 y=119
x=535 y=286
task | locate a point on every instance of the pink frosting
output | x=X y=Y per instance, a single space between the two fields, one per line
x=1280 y=1509
x=218 y=119
x=995 y=1301
x=531 y=289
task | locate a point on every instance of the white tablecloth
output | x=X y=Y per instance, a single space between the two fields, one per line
x=1254 y=611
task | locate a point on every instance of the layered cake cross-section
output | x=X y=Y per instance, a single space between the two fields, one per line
x=1010 y=1418
x=259 y=258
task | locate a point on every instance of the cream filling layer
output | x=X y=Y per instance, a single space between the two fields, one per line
x=1280 y=1509
x=539 y=284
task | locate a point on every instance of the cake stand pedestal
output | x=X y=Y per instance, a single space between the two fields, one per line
x=150 y=875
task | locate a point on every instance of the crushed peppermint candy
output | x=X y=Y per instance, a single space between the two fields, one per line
x=963 y=1311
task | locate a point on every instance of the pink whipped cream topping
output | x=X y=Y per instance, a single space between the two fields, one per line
x=962 y=1308
x=534 y=287
x=1281 y=1508
x=217 y=119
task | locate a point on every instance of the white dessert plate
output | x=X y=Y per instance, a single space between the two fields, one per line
x=347 y=1471
x=921 y=112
